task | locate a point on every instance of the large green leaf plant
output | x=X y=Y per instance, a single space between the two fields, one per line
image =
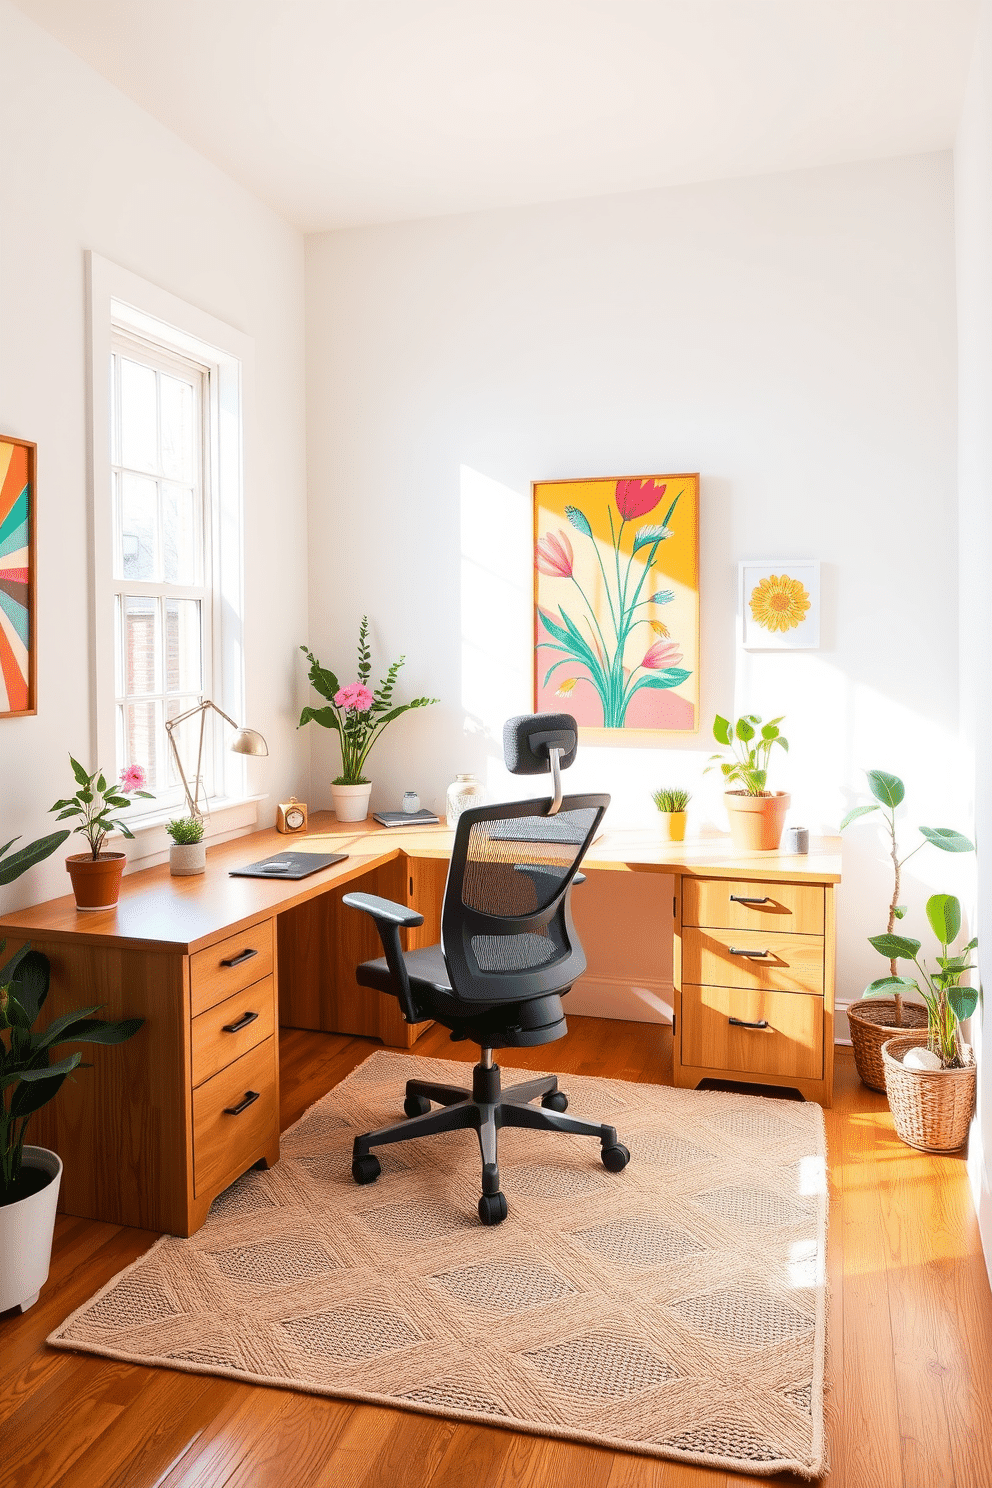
x=948 y=1003
x=29 y=1077
x=751 y=743
x=889 y=793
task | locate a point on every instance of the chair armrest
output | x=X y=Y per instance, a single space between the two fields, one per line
x=389 y=919
x=384 y=909
x=579 y=878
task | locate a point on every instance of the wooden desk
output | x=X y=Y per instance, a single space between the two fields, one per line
x=163 y=1123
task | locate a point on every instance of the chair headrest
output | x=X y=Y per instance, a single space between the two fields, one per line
x=528 y=738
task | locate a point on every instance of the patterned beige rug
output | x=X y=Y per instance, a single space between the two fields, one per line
x=677 y=1308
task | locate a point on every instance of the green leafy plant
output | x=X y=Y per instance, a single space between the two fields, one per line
x=948 y=1003
x=357 y=713
x=29 y=1078
x=671 y=799
x=889 y=792
x=96 y=802
x=186 y=831
x=752 y=743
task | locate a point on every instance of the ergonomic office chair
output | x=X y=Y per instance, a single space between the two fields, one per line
x=508 y=954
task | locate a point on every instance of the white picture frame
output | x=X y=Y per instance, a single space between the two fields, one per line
x=780 y=604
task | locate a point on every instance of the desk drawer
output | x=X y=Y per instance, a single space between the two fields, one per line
x=753 y=958
x=230 y=965
x=783 y=907
x=227 y=1140
x=791 y=1043
x=225 y=1032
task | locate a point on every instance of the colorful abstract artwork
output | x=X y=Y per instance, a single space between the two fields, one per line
x=17 y=577
x=616 y=615
x=780 y=604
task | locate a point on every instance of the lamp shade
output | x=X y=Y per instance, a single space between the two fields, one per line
x=249 y=741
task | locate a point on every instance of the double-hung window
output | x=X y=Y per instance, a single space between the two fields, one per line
x=167 y=399
x=161 y=566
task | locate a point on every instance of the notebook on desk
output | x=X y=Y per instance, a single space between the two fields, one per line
x=288 y=865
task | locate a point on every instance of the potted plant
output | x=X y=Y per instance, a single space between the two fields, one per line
x=930 y=1078
x=882 y=1013
x=359 y=715
x=96 y=875
x=188 y=853
x=756 y=815
x=671 y=803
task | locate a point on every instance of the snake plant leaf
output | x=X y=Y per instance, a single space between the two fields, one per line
x=855 y=812
x=35 y=852
x=886 y=788
x=579 y=520
x=721 y=730
x=963 y=1001
x=947 y=839
x=944 y=914
x=895 y=947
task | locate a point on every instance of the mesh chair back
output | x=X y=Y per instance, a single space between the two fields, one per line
x=506 y=928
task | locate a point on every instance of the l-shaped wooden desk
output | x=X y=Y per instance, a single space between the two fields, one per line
x=162 y=1124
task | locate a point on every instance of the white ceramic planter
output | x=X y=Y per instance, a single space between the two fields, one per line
x=26 y=1230
x=187 y=858
x=351 y=802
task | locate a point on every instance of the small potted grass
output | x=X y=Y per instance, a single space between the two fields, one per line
x=671 y=803
x=188 y=853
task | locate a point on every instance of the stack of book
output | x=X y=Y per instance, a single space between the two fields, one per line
x=404 y=818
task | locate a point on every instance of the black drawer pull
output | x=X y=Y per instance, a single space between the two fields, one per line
x=740 y=1023
x=251 y=1096
x=751 y=955
x=743 y=899
x=242 y=1022
x=237 y=960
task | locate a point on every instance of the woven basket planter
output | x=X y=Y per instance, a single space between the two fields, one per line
x=872 y=1023
x=932 y=1109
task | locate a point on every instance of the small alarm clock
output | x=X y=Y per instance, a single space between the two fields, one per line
x=291 y=816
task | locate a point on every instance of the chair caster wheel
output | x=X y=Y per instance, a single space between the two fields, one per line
x=492 y=1208
x=615 y=1159
x=365 y=1169
x=556 y=1101
x=416 y=1105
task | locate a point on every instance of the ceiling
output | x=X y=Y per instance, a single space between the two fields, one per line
x=341 y=112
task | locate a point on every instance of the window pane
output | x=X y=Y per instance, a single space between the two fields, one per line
x=179 y=535
x=139 y=424
x=145 y=733
x=178 y=432
x=183 y=646
x=118 y=653
x=140 y=645
x=187 y=737
x=139 y=527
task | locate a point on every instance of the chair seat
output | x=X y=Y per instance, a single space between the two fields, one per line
x=521 y=1024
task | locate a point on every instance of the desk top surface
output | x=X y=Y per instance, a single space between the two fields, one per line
x=159 y=912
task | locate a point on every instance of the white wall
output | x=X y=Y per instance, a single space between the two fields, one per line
x=973 y=200
x=791 y=337
x=83 y=167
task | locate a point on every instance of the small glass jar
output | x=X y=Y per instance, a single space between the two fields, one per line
x=463 y=792
x=411 y=802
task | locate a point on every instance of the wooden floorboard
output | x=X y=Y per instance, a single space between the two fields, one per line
x=909 y=1399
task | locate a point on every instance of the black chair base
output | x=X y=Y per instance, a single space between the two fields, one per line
x=486 y=1107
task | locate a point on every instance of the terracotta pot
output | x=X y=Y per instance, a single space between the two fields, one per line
x=757 y=822
x=351 y=802
x=26 y=1229
x=96 y=882
x=672 y=825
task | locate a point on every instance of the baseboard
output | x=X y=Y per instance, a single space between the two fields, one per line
x=644 y=1001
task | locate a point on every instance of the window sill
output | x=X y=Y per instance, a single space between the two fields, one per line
x=227 y=818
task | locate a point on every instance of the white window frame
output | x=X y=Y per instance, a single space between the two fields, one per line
x=119 y=301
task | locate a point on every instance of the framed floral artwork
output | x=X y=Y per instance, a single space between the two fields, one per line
x=616 y=602
x=780 y=604
x=17 y=578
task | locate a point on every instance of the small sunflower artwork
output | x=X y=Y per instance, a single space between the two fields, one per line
x=780 y=604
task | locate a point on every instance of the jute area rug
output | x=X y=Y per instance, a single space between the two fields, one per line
x=676 y=1308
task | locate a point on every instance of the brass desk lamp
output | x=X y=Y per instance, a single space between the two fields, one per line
x=245 y=741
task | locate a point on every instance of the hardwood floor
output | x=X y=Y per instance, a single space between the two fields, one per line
x=910 y=1366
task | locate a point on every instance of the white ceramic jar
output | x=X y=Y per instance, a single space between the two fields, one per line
x=463 y=792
